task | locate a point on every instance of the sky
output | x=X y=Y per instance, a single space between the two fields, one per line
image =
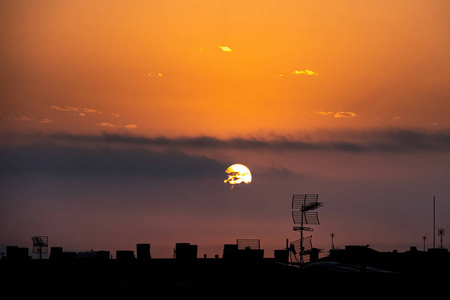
x=119 y=119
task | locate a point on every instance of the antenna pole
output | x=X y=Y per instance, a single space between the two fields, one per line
x=301 y=237
x=434 y=222
x=332 y=241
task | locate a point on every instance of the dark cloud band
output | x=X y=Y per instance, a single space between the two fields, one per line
x=350 y=141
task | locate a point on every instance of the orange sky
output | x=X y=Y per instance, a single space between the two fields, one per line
x=157 y=66
x=348 y=99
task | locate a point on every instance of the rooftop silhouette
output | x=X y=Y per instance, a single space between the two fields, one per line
x=242 y=265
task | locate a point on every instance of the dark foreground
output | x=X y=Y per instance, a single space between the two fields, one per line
x=213 y=278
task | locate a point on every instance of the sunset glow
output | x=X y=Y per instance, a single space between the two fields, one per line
x=125 y=115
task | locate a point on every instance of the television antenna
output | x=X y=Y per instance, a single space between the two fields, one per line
x=303 y=206
x=40 y=245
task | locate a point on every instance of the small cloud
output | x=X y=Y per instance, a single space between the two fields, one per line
x=325 y=113
x=23 y=118
x=131 y=126
x=150 y=74
x=344 y=114
x=72 y=108
x=225 y=48
x=104 y=124
x=64 y=108
x=89 y=110
x=115 y=115
x=397 y=118
x=339 y=114
x=305 y=72
x=46 y=121
x=82 y=114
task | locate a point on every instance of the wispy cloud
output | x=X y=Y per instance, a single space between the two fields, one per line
x=66 y=160
x=64 y=108
x=363 y=141
x=81 y=111
x=46 y=121
x=23 y=118
x=89 y=110
x=305 y=72
x=28 y=119
x=157 y=74
x=325 y=113
x=225 y=48
x=344 y=114
x=105 y=124
x=339 y=114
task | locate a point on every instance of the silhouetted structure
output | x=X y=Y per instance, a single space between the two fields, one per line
x=244 y=249
x=125 y=255
x=93 y=255
x=143 y=252
x=185 y=252
x=281 y=255
x=56 y=253
x=15 y=253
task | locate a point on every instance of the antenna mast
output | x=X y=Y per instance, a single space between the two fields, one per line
x=302 y=213
x=434 y=222
x=332 y=241
x=441 y=232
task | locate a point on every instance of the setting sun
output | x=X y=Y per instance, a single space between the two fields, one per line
x=238 y=174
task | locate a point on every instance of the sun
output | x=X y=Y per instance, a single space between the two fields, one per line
x=238 y=174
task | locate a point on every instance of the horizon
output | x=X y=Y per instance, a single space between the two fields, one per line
x=119 y=121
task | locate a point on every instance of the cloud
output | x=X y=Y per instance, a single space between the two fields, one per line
x=105 y=162
x=344 y=114
x=89 y=110
x=339 y=114
x=107 y=124
x=157 y=74
x=23 y=118
x=325 y=113
x=64 y=108
x=104 y=124
x=46 y=121
x=82 y=111
x=362 y=141
x=225 y=48
x=305 y=72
